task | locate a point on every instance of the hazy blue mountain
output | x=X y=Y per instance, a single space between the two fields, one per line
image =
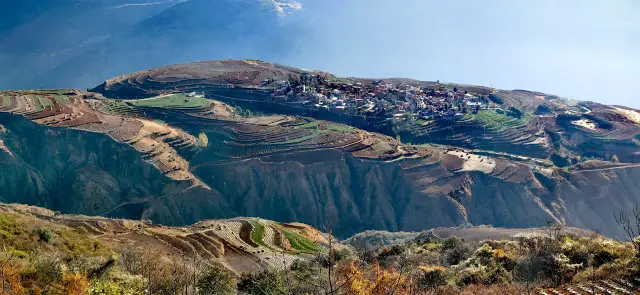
x=76 y=43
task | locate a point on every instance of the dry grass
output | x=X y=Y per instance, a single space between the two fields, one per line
x=585 y=124
x=632 y=115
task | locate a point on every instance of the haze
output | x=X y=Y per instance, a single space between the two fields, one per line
x=586 y=50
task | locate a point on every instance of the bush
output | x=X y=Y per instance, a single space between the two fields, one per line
x=44 y=234
x=394 y=250
x=432 y=277
x=483 y=275
x=496 y=99
x=527 y=269
x=75 y=284
x=216 y=281
x=263 y=283
x=455 y=251
x=101 y=287
x=558 y=268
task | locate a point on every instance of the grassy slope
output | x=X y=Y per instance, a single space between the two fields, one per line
x=496 y=121
x=6 y=101
x=301 y=243
x=172 y=101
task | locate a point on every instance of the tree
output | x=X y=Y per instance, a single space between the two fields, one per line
x=216 y=280
x=203 y=140
x=630 y=225
x=615 y=159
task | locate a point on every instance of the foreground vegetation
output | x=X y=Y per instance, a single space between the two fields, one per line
x=40 y=256
x=430 y=265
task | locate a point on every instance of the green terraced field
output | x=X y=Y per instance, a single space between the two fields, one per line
x=36 y=103
x=301 y=243
x=257 y=233
x=61 y=98
x=300 y=139
x=496 y=121
x=6 y=101
x=45 y=102
x=116 y=108
x=312 y=124
x=172 y=101
x=341 y=128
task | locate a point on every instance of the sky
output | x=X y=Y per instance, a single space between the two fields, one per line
x=580 y=49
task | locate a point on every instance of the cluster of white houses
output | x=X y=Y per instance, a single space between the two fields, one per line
x=381 y=98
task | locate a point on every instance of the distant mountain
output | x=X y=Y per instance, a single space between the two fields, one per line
x=76 y=43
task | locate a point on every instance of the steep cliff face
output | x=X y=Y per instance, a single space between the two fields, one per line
x=72 y=171
x=83 y=172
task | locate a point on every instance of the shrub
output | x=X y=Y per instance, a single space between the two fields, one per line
x=216 y=280
x=431 y=277
x=558 y=268
x=75 y=284
x=263 y=283
x=451 y=243
x=117 y=282
x=483 y=275
x=44 y=234
x=527 y=269
x=455 y=251
x=394 y=250
x=342 y=254
x=11 y=283
x=101 y=287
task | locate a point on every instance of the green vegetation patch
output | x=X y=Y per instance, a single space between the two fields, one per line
x=257 y=233
x=341 y=128
x=312 y=124
x=334 y=79
x=172 y=101
x=61 y=98
x=6 y=101
x=44 y=101
x=36 y=103
x=497 y=121
x=8 y=226
x=301 y=243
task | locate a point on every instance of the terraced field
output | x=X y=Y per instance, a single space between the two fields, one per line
x=241 y=243
x=622 y=286
x=172 y=101
x=246 y=82
x=157 y=143
x=194 y=77
x=486 y=130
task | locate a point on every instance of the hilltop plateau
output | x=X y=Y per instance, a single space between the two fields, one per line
x=221 y=139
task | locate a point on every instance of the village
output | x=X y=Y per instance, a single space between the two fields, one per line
x=378 y=98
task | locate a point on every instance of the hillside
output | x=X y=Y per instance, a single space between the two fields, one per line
x=154 y=151
x=47 y=252
x=239 y=244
